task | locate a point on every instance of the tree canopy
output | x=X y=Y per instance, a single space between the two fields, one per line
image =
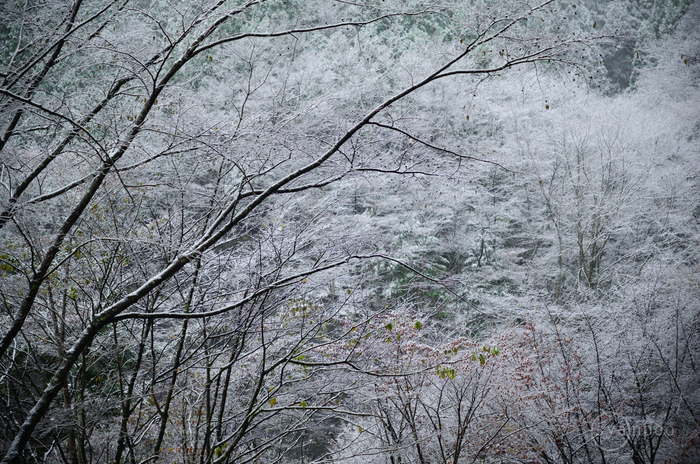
x=330 y=231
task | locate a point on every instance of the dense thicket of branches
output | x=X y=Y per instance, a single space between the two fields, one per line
x=384 y=231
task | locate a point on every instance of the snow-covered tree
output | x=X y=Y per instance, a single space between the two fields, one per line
x=181 y=214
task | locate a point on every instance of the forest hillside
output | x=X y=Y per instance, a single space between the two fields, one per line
x=330 y=231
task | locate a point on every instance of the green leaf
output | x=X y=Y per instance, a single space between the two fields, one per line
x=417 y=325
